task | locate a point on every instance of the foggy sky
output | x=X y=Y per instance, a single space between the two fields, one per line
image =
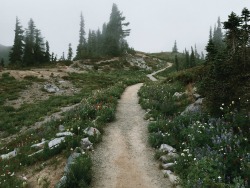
x=154 y=24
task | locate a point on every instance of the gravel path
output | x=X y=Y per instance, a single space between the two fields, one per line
x=151 y=76
x=124 y=159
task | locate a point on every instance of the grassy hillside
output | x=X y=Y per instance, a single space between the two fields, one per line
x=4 y=53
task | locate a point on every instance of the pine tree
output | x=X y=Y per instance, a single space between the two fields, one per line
x=39 y=52
x=70 y=53
x=81 y=48
x=192 y=58
x=176 y=63
x=196 y=54
x=115 y=34
x=232 y=27
x=29 y=47
x=210 y=48
x=175 y=49
x=47 y=53
x=218 y=36
x=2 y=62
x=245 y=16
x=16 y=53
x=187 y=61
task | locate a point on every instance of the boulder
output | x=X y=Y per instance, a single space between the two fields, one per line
x=172 y=178
x=55 y=142
x=64 y=134
x=51 y=88
x=196 y=96
x=194 y=108
x=86 y=144
x=39 y=145
x=167 y=166
x=167 y=148
x=61 y=128
x=70 y=161
x=10 y=154
x=91 y=131
x=178 y=95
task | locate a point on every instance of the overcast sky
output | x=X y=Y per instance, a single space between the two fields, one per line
x=154 y=24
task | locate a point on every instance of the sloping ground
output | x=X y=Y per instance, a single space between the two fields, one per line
x=123 y=159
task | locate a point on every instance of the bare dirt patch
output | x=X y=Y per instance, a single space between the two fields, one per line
x=49 y=173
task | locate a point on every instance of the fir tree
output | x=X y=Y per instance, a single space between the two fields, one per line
x=47 y=53
x=232 y=27
x=115 y=34
x=210 y=48
x=187 y=61
x=29 y=47
x=175 y=49
x=16 y=53
x=176 y=63
x=70 y=53
x=2 y=62
x=192 y=58
x=81 y=48
x=39 y=52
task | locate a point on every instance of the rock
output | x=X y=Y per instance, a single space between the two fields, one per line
x=10 y=154
x=55 y=142
x=61 y=182
x=151 y=119
x=91 y=131
x=173 y=155
x=39 y=145
x=194 y=108
x=64 y=134
x=164 y=158
x=167 y=148
x=178 y=95
x=196 y=96
x=61 y=128
x=172 y=178
x=51 y=88
x=86 y=144
x=35 y=153
x=167 y=166
x=70 y=161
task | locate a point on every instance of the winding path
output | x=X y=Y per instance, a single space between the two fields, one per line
x=151 y=76
x=124 y=159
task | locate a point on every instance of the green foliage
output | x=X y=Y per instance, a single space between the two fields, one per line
x=212 y=152
x=80 y=174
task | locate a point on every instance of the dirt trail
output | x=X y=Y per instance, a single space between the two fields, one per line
x=124 y=159
x=151 y=76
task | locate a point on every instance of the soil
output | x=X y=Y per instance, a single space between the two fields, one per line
x=124 y=159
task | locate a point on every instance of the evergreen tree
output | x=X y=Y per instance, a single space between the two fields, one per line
x=232 y=27
x=245 y=17
x=175 y=49
x=187 y=61
x=2 y=62
x=81 y=48
x=16 y=53
x=70 y=53
x=29 y=47
x=196 y=54
x=52 y=57
x=218 y=36
x=192 y=58
x=115 y=34
x=39 y=52
x=210 y=48
x=47 y=53
x=176 y=63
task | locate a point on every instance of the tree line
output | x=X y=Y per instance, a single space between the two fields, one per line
x=228 y=59
x=29 y=47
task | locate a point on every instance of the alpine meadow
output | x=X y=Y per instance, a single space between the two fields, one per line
x=105 y=113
